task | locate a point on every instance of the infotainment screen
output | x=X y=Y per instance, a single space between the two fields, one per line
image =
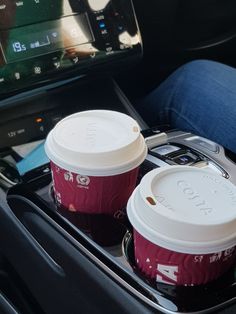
x=42 y=38
x=43 y=41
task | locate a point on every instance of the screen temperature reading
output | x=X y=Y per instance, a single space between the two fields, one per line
x=43 y=38
x=18 y=47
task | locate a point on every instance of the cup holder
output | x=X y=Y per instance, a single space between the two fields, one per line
x=128 y=253
x=184 y=298
x=105 y=230
x=118 y=260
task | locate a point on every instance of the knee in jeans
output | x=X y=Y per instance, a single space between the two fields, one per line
x=199 y=66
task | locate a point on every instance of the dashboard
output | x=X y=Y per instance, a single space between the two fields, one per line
x=44 y=41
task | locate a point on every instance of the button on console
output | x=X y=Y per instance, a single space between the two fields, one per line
x=165 y=149
x=184 y=160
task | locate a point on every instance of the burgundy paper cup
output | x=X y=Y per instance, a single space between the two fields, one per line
x=91 y=194
x=184 y=221
x=95 y=157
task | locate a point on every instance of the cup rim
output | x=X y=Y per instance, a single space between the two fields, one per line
x=129 y=156
x=183 y=244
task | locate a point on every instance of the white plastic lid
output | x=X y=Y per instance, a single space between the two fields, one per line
x=96 y=142
x=185 y=209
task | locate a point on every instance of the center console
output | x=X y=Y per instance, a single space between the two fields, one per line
x=182 y=148
x=72 y=262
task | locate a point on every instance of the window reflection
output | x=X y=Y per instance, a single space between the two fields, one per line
x=77 y=36
x=126 y=39
x=97 y=5
x=75 y=30
x=82 y=51
x=66 y=7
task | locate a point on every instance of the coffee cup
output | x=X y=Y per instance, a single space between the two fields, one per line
x=95 y=157
x=184 y=222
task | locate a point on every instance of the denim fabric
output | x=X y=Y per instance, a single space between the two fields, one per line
x=199 y=97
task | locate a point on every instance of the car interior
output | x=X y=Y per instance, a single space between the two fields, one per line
x=59 y=57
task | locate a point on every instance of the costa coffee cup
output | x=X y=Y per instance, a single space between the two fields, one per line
x=184 y=221
x=95 y=157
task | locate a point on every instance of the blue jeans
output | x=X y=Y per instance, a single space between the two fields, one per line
x=199 y=97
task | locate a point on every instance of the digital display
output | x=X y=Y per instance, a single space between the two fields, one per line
x=42 y=38
x=16 y=13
